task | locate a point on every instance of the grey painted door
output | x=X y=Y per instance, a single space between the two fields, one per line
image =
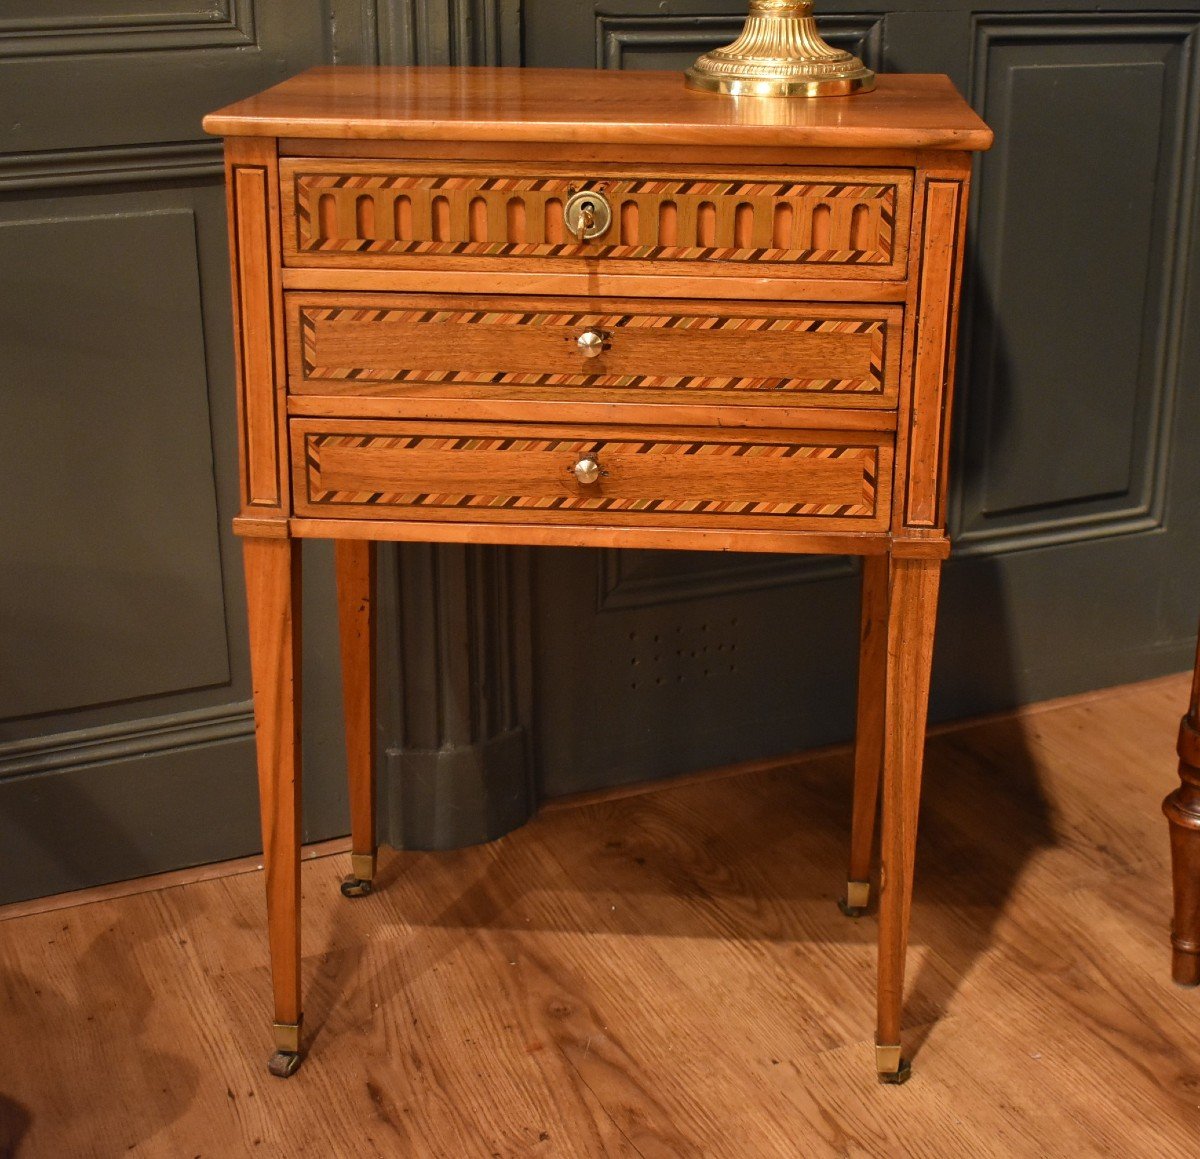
x=1075 y=509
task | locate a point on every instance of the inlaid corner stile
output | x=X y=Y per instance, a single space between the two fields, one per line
x=934 y=303
x=253 y=202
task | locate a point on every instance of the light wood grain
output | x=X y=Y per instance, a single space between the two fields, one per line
x=273 y=610
x=869 y=726
x=430 y=402
x=611 y=535
x=664 y=974
x=354 y=567
x=625 y=153
x=904 y=112
x=587 y=279
x=912 y=613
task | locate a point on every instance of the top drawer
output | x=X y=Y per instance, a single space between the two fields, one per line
x=816 y=222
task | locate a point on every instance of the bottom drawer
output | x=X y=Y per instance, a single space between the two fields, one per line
x=607 y=476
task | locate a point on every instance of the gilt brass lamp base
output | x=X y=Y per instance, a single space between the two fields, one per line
x=779 y=54
x=742 y=86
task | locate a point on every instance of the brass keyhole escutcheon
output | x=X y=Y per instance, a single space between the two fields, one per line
x=587 y=214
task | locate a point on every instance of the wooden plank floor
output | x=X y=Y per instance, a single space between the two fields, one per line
x=664 y=974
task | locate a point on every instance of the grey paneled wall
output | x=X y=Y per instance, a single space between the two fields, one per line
x=126 y=734
x=126 y=739
x=117 y=563
x=509 y=676
x=1084 y=201
x=1078 y=560
x=675 y=39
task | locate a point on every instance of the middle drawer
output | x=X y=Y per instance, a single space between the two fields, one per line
x=588 y=350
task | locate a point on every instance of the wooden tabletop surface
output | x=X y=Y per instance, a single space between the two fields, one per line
x=589 y=105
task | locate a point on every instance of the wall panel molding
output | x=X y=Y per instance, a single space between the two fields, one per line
x=620 y=39
x=67 y=750
x=634 y=579
x=74 y=167
x=104 y=395
x=474 y=32
x=112 y=27
x=1140 y=73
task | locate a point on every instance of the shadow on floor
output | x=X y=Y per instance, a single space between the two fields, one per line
x=757 y=857
x=14 y=1125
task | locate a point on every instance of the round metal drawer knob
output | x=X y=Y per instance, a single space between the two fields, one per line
x=587 y=470
x=590 y=343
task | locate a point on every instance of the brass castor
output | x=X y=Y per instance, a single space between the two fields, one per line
x=284 y=1063
x=896 y=1077
x=362 y=871
x=893 y=1069
x=858 y=896
x=355 y=887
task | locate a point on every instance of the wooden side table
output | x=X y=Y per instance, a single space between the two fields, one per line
x=589 y=308
x=1182 y=808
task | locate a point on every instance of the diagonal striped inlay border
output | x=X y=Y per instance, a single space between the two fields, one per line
x=762 y=196
x=313 y=317
x=316 y=443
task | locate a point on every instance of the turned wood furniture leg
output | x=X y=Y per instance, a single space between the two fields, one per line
x=868 y=742
x=912 y=609
x=354 y=561
x=1182 y=808
x=273 y=608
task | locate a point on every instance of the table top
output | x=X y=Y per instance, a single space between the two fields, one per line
x=905 y=111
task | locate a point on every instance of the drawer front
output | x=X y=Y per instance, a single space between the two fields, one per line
x=508 y=473
x=827 y=223
x=770 y=355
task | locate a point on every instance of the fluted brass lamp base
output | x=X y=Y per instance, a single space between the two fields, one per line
x=778 y=54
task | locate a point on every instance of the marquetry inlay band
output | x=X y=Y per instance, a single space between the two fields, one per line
x=835 y=222
x=375 y=450
x=508 y=328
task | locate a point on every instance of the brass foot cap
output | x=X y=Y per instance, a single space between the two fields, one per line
x=287 y=1036
x=284 y=1063
x=362 y=866
x=355 y=887
x=858 y=896
x=891 y=1066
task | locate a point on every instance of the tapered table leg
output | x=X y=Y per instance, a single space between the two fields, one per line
x=912 y=610
x=354 y=561
x=273 y=607
x=868 y=743
x=1182 y=808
